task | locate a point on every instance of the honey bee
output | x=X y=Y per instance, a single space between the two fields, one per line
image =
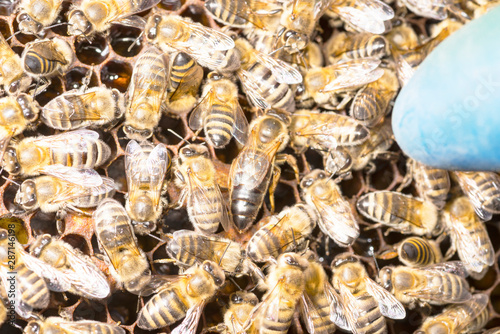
x=146 y=92
x=402 y=213
x=59 y=325
x=378 y=143
x=145 y=167
x=403 y=37
x=182 y=297
x=33 y=155
x=286 y=283
x=322 y=83
x=338 y=161
x=95 y=16
x=241 y=304
x=115 y=234
x=207 y=46
x=432 y=184
x=195 y=174
x=325 y=131
x=282 y=233
x=32 y=290
x=81 y=276
x=363 y=16
x=77 y=109
x=408 y=61
x=16 y=114
x=36 y=15
x=12 y=77
x=437 y=284
x=265 y=79
x=483 y=190
x=189 y=248
x=242 y=14
x=315 y=305
x=336 y=218
x=64 y=188
x=469 y=237
x=360 y=304
x=256 y=164
x=47 y=57
x=418 y=252
x=298 y=21
x=355 y=46
x=435 y=9
x=371 y=103
x=219 y=113
x=185 y=80
x=468 y=317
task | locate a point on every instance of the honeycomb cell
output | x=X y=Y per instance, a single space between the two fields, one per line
x=18 y=50
x=495 y=298
x=383 y=176
x=163 y=268
x=6 y=7
x=90 y=310
x=116 y=171
x=92 y=53
x=5 y=29
x=77 y=241
x=174 y=124
x=60 y=26
x=122 y=307
x=16 y=224
x=367 y=243
x=73 y=79
x=116 y=75
x=283 y=196
x=54 y=89
x=170 y=4
x=42 y=223
x=176 y=220
x=487 y=281
x=494 y=234
x=228 y=153
x=121 y=39
x=9 y=196
x=146 y=242
x=197 y=14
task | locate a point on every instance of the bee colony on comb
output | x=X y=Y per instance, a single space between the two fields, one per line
x=229 y=166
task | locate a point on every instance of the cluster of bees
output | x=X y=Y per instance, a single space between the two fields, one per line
x=297 y=90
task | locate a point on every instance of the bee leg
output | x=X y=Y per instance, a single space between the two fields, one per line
x=345 y=100
x=220 y=328
x=408 y=177
x=450 y=251
x=86 y=80
x=180 y=201
x=291 y=161
x=39 y=89
x=391 y=229
x=273 y=185
x=373 y=226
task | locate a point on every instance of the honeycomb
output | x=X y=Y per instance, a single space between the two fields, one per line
x=111 y=63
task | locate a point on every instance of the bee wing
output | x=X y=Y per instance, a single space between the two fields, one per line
x=188 y=82
x=210 y=39
x=337 y=315
x=80 y=176
x=48 y=51
x=476 y=195
x=157 y=283
x=251 y=86
x=83 y=326
x=244 y=11
x=256 y=166
x=338 y=218
x=471 y=312
x=157 y=163
x=401 y=211
x=57 y=281
x=197 y=117
x=367 y=16
x=283 y=72
x=240 y=127
x=472 y=249
x=63 y=107
x=309 y=312
x=76 y=141
x=149 y=83
x=353 y=73
x=429 y=8
x=190 y=322
x=351 y=310
x=84 y=276
x=451 y=267
x=404 y=70
x=389 y=306
x=129 y=19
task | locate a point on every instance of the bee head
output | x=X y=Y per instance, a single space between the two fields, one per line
x=10 y=162
x=191 y=150
x=136 y=134
x=27 y=25
x=215 y=271
x=40 y=243
x=294 y=260
x=385 y=277
x=33 y=327
x=28 y=106
x=295 y=41
x=152 y=26
x=78 y=24
x=26 y=196
x=242 y=297
x=310 y=178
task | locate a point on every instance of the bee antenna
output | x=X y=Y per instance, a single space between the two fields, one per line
x=12 y=181
x=281 y=48
x=13 y=324
x=372 y=250
x=234 y=282
x=135 y=41
x=225 y=250
x=14 y=34
x=178 y=135
x=57 y=25
x=155 y=237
